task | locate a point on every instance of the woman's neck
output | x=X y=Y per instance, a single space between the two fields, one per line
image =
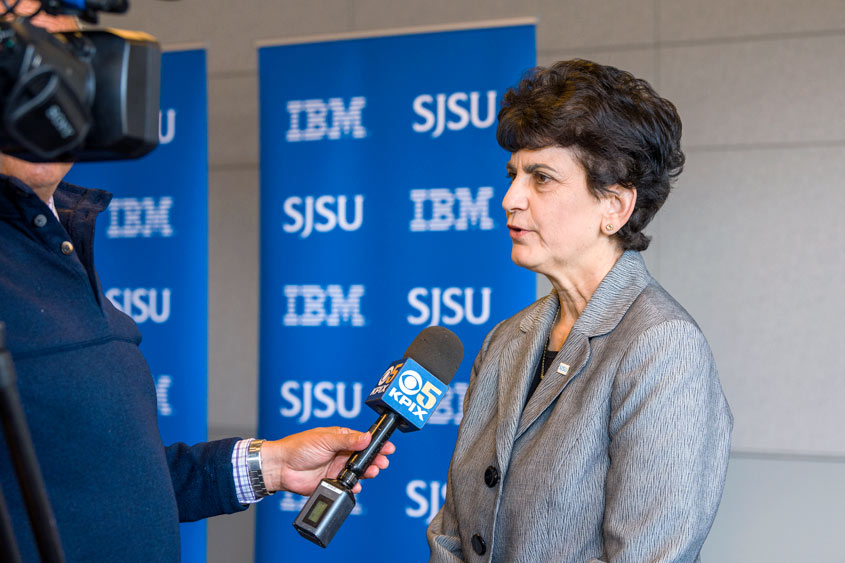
x=574 y=290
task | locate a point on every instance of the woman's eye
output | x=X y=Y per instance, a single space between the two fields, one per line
x=541 y=178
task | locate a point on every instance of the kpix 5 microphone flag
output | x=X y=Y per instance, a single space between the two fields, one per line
x=405 y=396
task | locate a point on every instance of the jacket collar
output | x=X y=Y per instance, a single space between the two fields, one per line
x=611 y=300
x=605 y=309
x=68 y=197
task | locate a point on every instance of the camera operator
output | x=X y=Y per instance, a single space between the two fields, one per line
x=117 y=493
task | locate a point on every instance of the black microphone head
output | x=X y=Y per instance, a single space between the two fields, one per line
x=439 y=350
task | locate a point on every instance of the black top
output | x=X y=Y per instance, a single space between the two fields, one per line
x=550 y=358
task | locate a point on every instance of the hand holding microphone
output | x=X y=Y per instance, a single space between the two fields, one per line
x=405 y=397
x=298 y=462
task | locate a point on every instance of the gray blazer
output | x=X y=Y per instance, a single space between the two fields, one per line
x=619 y=455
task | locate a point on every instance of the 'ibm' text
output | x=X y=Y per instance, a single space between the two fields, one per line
x=472 y=213
x=345 y=121
x=130 y=217
x=307 y=305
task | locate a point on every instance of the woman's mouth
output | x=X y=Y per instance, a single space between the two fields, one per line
x=517 y=232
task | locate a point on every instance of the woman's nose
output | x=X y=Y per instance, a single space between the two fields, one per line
x=515 y=197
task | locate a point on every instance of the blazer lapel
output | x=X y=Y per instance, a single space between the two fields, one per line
x=568 y=365
x=516 y=368
x=615 y=294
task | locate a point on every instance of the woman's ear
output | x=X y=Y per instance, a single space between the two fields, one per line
x=619 y=203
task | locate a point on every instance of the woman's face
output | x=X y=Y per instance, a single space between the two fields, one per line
x=555 y=222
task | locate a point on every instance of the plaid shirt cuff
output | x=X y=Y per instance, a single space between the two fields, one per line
x=246 y=495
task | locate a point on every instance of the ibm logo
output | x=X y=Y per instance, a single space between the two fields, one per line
x=142 y=304
x=448 y=306
x=130 y=217
x=434 y=209
x=308 y=306
x=345 y=120
x=449 y=111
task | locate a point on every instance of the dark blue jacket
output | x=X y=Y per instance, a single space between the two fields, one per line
x=118 y=494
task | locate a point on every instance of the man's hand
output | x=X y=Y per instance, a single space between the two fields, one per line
x=298 y=462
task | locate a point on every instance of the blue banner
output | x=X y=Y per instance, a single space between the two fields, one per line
x=152 y=255
x=381 y=185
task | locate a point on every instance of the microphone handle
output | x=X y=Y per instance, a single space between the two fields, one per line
x=360 y=461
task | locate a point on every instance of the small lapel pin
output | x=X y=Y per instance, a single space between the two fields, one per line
x=563 y=369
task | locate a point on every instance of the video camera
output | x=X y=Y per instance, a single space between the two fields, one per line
x=78 y=95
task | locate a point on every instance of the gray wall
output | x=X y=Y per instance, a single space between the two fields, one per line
x=751 y=242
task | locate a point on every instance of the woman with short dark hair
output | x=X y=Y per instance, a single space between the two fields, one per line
x=595 y=428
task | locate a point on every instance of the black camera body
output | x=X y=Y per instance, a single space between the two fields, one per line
x=83 y=95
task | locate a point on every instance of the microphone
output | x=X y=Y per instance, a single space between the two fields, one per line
x=405 y=397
